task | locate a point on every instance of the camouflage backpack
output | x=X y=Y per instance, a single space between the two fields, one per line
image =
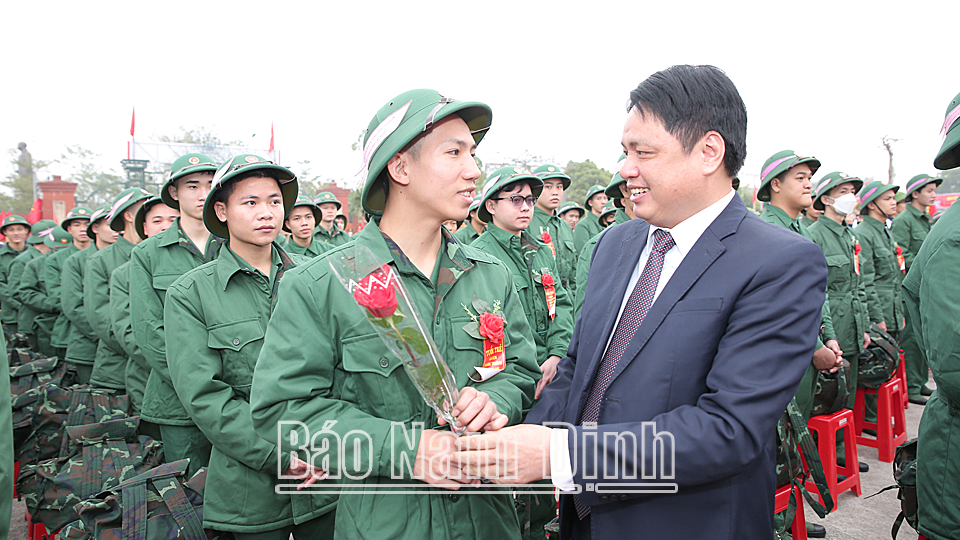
x=22 y=355
x=26 y=381
x=880 y=361
x=905 y=476
x=832 y=391
x=102 y=456
x=793 y=438
x=16 y=340
x=160 y=504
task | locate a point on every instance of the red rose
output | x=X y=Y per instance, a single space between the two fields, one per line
x=857 y=248
x=899 y=250
x=547 y=280
x=546 y=237
x=375 y=292
x=491 y=326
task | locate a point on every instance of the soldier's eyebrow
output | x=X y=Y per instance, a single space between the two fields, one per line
x=461 y=143
x=251 y=196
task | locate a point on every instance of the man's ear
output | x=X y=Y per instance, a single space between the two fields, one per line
x=220 y=209
x=172 y=190
x=397 y=168
x=491 y=207
x=128 y=216
x=775 y=185
x=712 y=149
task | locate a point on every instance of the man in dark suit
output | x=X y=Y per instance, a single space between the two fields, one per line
x=698 y=323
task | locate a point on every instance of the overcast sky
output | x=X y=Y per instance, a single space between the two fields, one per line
x=823 y=78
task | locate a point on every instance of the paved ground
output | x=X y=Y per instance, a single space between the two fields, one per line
x=856 y=518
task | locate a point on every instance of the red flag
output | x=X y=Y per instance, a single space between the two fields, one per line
x=271 y=138
x=133 y=120
x=35 y=210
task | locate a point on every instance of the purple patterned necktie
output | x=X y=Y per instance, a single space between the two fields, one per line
x=633 y=313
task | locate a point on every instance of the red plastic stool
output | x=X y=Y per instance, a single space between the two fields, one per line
x=826 y=426
x=891 y=421
x=16 y=474
x=902 y=375
x=780 y=501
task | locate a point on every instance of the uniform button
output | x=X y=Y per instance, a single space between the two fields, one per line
x=236 y=341
x=384 y=363
x=454 y=497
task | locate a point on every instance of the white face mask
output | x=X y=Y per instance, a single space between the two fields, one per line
x=845 y=204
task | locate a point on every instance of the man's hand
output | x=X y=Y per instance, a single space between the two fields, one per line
x=300 y=468
x=825 y=359
x=475 y=410
x=882 y=325
x=549 y=369
x=434 y=464
x=513 y=455
x=866 y=339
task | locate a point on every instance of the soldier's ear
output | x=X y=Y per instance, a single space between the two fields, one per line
x=397 y=168
x=491 y=207
x=220 y=209
x=173 y=192
x=775 y=185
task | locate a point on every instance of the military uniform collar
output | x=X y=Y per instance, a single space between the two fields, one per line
x=385 y=249
x=538 y=210
x=334 y=231
x=170 y=236
x=229 y=263
x=782 y=217
x=837 y=228
x=917 y=213
x=7 y=249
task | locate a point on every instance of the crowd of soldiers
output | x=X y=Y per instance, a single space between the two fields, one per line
x=195 y=304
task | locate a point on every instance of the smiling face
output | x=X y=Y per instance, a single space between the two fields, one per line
x=666 y=184
x=16 y=234
x=791 y=191
x=550 y=196
x=190 y=192
x=159 y=218
x=505 y=214
x=301 y=222
x=439 y=177
x=253 y=211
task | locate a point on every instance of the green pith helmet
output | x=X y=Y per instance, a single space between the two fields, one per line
x=871 y=191
x=831 y=181
x=613 y=188
x=40 y=229
x=326 y=197
x=570 y=206
x=303 y=200
x=77 y=212
x=239 y=165
x=141 y=216
x=591 y=192
x=13 y=219
x=901 y=196
x=949 y=155
x=499 y=180
x=608 y=208
x=778 y=164
x=397 y=124
x=474 y=205
x=57 y=238
x=100 y=213
x=125 y=200
x=918 y=182
x=548 y=172
x=182 y=166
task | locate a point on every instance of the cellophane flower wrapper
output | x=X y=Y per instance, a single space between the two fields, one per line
x=374 y=287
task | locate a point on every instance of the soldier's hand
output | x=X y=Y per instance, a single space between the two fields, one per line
x=549 y=370
x=825 y=359
x=434 y=464
x=514 y=455
x=882 y=325
x=866 y=339
x=301 y=468
x=475 y=410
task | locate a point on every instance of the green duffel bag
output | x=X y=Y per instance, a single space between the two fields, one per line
x=880 y=361
x=832 y=392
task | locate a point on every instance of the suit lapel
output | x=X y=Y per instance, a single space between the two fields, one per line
x=704 y=252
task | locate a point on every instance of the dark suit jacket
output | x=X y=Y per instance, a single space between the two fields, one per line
x=714 y=363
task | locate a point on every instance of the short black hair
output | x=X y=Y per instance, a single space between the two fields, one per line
x=693 y=100
x=226 y=190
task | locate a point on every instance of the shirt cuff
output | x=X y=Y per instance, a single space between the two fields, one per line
x=561 y=472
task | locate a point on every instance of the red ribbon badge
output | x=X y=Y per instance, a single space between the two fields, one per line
x=551 y=292
x=856 y=258
x=494 y=354
x=548 y=240
x=901 y=261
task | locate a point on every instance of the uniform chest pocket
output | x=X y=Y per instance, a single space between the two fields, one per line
x=238 y=344
x=162 y=282
x=889 y=260
x=374 y=380
x=839 y=272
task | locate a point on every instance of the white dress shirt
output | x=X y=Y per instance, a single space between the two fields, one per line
x=685 y=235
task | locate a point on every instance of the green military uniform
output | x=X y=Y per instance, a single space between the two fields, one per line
x=8 y=303
x=336 y=236
x=53 y=272
x=806 y=222
x=43 y=308
x=466 y=235
x=570 y=206
x=316 y=247
x=82 y=341
x=137 y=370
x=910 y=228
x=936 y=312
x=847 y=297
x=589 y=224
x=561 y=235
x=881 y=271
x=7 y=456
x=15 y=273
x=110 y=365
x=340 y=376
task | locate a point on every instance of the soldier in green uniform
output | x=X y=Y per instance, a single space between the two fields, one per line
x=110 y=365
x=155 y=264
x=474 y=228
x=571 y=212
x=35 y=248
x=589 y=225
x=338 y=376
x=901 y=202
x=835 y=195
x=544 y=299
x=809 y=216
x=880 y=257
x=300 y=224
x=608 y=215
x=44 y=309
x=15 y=229
x=341 y=221
x=152 y=218
x=931 y=300
x=327 y=229
x=215 y=317
x=910 y=228
x=545 y=220
x=75 y=223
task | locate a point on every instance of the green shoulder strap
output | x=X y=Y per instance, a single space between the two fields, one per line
x=812 y=458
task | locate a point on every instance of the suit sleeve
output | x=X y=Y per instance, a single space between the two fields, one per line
x=146 y=314
x=71 y=296
x=762 y=354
